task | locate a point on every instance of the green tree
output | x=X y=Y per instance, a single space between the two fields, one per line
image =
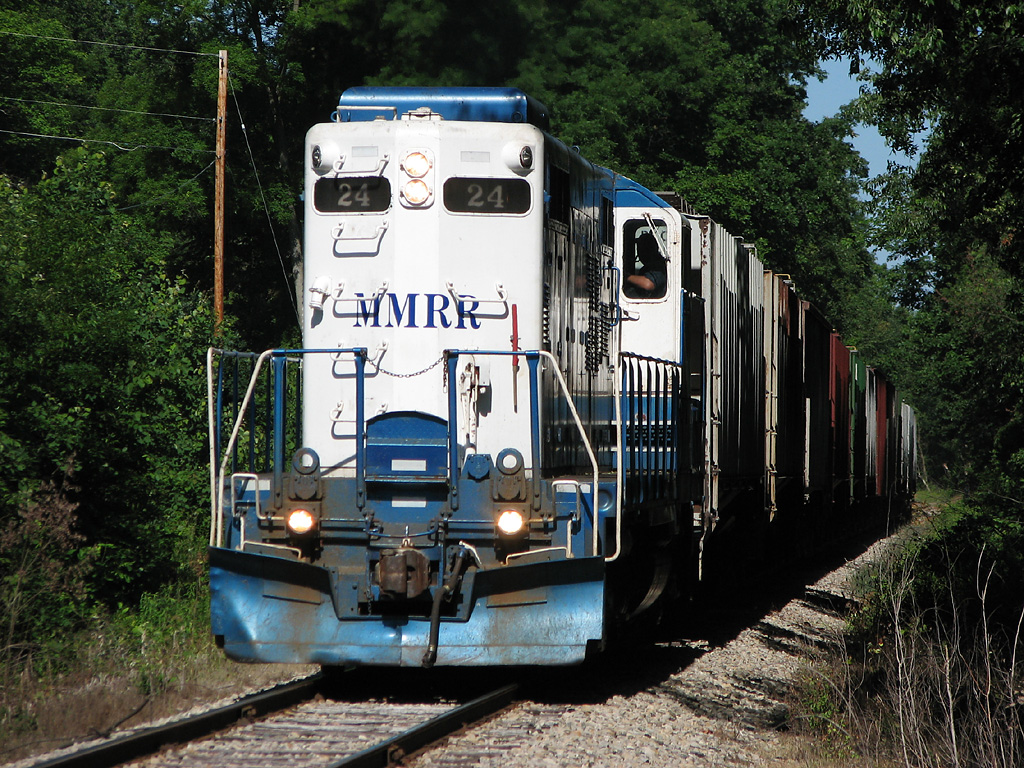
x=107 y=258
x=34 y=72
x=101 y=396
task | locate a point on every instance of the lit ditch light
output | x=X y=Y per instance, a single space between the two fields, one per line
x=511 y=523
x=300 y=521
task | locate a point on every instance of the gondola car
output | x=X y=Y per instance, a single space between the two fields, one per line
x=530 y=392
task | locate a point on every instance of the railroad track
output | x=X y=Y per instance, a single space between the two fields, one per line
x=713 y=697
x=293 y=726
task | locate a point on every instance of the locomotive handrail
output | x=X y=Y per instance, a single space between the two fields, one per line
x=378 y=353
x=616 y=291
x=336 y=115
x=339 y=170
x=533 y=358
x=617 y=398
x=210 y=409
x=217 y=474
x=577 y=494
x=380 y=293
x=256 y=496
x=217 y=526
x=338 y=232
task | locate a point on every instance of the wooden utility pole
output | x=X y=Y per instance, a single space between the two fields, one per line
x=218 y=196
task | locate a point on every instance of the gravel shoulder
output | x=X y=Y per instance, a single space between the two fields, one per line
x=722 y=705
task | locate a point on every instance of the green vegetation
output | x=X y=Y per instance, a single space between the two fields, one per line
x=105 y=245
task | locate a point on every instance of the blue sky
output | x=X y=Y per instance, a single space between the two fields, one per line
x=825 y=98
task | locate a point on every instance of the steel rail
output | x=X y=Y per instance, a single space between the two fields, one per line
x=391 y=750
x=150 y=740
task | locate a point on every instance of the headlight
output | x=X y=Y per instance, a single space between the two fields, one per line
x=416 y=164
x=416 y=192
x=510 y=522
x=300 y=521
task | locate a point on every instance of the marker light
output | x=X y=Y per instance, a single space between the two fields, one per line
x=416 y=164
x=416 y=192
x=319 y=291
x=300 y=521
x=510 y=522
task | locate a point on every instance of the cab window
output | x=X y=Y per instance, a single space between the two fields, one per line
x=644 y=268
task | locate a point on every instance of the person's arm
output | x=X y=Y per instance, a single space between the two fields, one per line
x=642 y=283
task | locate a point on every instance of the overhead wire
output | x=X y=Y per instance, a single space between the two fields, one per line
x=132 y=148
x=124 y=146
x=108 y=109
x=108 y=45
x=266 y=207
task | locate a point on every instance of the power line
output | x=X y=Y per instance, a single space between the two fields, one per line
x=266 y=207
x=108 y=45
x=125 y=148
x=107 y=109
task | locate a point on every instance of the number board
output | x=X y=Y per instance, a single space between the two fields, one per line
x=349 y=194
x=471 y=195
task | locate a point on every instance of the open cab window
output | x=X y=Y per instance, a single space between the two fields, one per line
x=644 y=262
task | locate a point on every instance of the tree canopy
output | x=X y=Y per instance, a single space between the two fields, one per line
x=953 y=68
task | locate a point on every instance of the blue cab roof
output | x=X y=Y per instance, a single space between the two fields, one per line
x=487 y=105
x=630 y=194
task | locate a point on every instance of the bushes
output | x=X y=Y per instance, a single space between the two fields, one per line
x=137 y=664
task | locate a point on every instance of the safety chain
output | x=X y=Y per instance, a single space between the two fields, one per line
x=411 y=375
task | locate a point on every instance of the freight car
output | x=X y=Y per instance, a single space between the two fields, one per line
x=530 y=392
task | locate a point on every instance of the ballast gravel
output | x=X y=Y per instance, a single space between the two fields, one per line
x=716 y=701
x=724 y=707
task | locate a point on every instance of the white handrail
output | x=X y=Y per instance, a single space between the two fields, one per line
x=578 y=492
x=586 y=443
x=498 y=287
x=338 y=232
x=217 y=499
x=619 y=479
x=338 y=166
x=376 y=295
x=217 y=523
x=213 y=444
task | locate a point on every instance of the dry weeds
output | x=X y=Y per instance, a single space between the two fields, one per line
x=100 y=696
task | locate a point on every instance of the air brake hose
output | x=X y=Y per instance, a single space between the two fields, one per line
x=443 y=593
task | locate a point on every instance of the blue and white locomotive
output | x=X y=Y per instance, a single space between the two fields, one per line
x=529 y=391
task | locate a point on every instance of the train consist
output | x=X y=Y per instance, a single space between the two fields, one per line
x=532 y=395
